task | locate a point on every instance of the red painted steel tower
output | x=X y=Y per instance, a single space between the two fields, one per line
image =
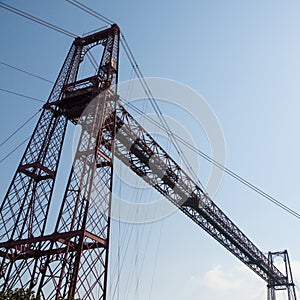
x=71 y=262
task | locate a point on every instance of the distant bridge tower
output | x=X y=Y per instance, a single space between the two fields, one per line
x=71 y=260
x=289 y=285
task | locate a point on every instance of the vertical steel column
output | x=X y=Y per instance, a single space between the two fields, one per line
x=288 y=284
x=79 y=270
x=24 y=210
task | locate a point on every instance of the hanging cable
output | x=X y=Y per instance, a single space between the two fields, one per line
x=22 y=95
x=217 y=164
x=165 y=126
x=156 y=258
x=147 y=91
x=199 y=152
x=37 y=20
x=26 y=72
x=15 y=149
x=46 y=24
x=92 y=60
x=157 y=109
x=18 y=129
x=144 y=84
x=91 y=11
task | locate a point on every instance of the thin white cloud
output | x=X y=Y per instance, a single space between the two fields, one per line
x=216 y=278
x=236 y=281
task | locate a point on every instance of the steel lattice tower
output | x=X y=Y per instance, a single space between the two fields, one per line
x=72 y=261
x=289 y=286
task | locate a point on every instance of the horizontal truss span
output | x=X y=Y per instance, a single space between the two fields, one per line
x=138 y=150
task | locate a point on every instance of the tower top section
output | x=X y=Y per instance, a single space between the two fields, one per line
x=97 y=36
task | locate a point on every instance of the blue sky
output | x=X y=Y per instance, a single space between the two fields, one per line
x=243 y=57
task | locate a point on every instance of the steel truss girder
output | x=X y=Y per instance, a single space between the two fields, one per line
x=138 y=150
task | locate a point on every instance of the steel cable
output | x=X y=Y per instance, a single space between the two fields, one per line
x=220 y=166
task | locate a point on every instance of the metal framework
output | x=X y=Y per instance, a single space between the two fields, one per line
x=71 y=262
x=137 y=149
x=274 y=286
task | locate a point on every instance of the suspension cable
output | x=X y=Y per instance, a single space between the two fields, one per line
x=18 y=129
x=22 y=95
x=16 y=148
x=37 y=20
x=46 y=24
x=91 y=11
x=149 y=95
x=220 y=166
x=156 y=108
x=143 y=83
x=26 y=72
